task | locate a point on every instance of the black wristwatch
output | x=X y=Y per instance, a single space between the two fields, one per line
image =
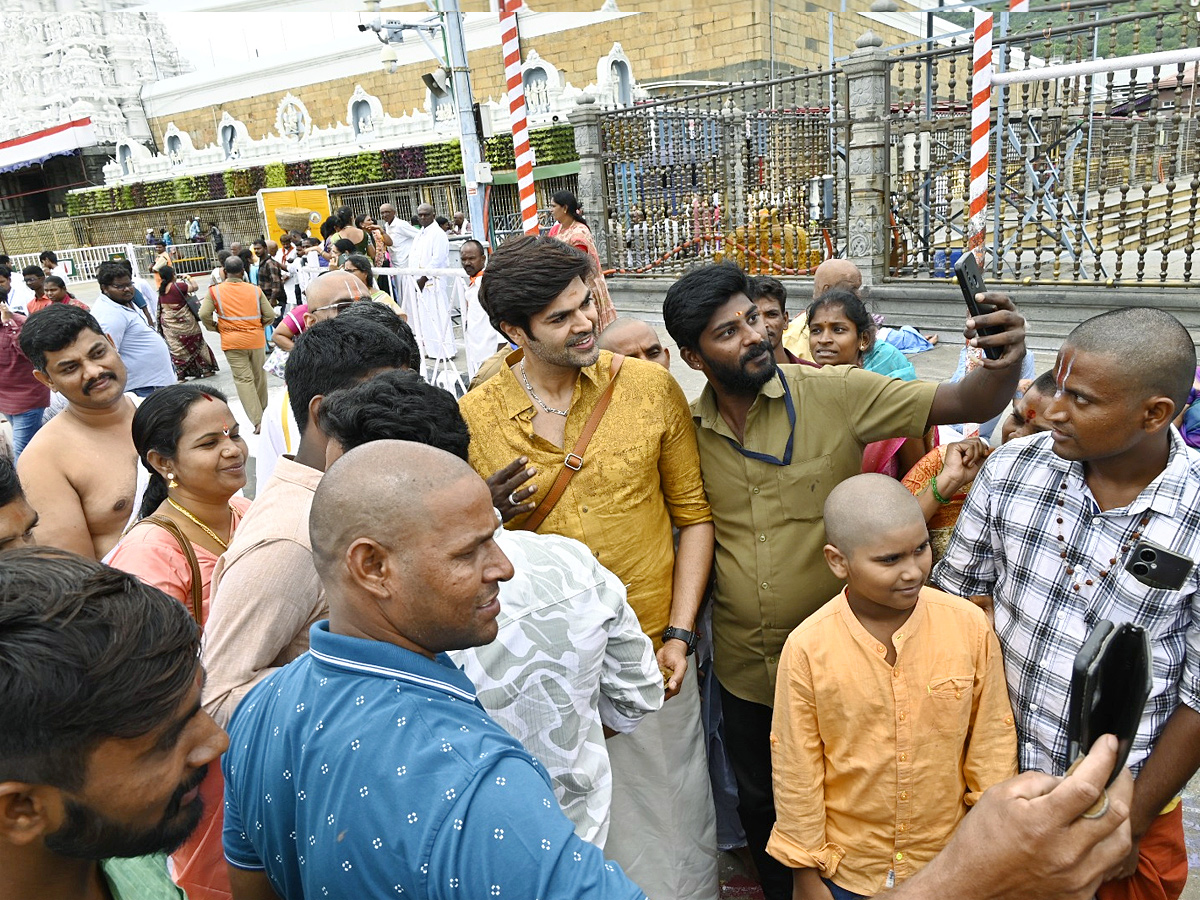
x=671 y=633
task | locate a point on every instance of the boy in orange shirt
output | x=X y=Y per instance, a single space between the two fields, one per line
x=891 y=709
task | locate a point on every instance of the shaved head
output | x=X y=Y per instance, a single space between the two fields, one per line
x=379 y=491
x=863 y=507
x=633 y=337
x=272 y=248
x=836 y=273
x=333 y=287
x=403 y=539
x=1152 y=350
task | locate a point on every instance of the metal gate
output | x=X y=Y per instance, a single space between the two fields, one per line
x=754 y=172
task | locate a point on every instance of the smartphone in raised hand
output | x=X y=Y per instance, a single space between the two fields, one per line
x=970 y=281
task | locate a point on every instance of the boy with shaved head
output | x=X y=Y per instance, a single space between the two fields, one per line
x=891 y=712
x=1047 y=534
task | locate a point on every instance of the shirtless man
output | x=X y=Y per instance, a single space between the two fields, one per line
x=80 y=471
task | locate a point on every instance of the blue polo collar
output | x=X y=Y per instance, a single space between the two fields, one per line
x=384 y=660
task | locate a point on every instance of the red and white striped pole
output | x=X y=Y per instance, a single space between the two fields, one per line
x=1018 y=5
x=981 y=116
x=511 y=40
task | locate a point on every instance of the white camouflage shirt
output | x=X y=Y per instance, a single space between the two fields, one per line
x=570 y=657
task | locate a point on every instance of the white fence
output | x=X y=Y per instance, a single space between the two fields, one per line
x=82 y=262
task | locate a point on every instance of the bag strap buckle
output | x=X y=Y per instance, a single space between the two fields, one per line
x=573 y=461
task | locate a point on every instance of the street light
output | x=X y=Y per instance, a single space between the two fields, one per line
x=449 y=22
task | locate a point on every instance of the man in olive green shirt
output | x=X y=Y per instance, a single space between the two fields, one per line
x=774 y=441
x=103 y=743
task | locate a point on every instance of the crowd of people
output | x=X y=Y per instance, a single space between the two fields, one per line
x=569 y=634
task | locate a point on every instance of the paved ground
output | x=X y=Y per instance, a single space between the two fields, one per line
x=934 y=365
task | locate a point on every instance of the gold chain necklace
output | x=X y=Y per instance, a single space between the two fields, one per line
x=212 y=534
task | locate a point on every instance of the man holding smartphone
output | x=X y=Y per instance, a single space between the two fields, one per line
x=1060 y=531
x=774 y=441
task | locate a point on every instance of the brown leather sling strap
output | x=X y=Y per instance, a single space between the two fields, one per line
x=574 y=460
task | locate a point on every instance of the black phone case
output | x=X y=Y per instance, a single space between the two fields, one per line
x=1110 y=683
x=970 y=282
x=1158 y=567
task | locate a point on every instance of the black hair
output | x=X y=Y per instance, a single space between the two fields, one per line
x=50 y=256
x=525 y=275
x=358 y=220
x=328 y=227
x=87 y=654
x=359 y=262
x=158 y=425
x=53 y=328
x=110 y=270
x=1156 y=352
x=5 y=272
x=570 y=203
x=395 y=406
x=383 y=314
x=57 y=282
x=335 y=354
x=160 y=244
x=10 y=485
x=343 y=245
x=442 y=221
x=692 y=300
x=247 y=258
x=166 y=275
x=36 y=270
x=223 y=255
x=766 y=286
x=1044 y=383
x=343 y=216
x=464 y=244
x=853 y=307
x=234 y=265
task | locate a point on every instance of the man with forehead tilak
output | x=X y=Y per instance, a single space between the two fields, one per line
x=1049 y=534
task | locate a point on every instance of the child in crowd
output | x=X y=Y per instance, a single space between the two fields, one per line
x=891 y=710
x=944 y=475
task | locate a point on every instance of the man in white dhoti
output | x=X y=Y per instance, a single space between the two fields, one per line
x=481 y=338
x=430 y=313
x=402 y=233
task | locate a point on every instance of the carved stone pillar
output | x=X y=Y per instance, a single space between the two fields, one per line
x=585 y=119
x=867 y=226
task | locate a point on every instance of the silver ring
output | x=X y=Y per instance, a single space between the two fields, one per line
x=1099 y=808
x=512 y=499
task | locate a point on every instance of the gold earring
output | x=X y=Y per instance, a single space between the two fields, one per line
x=171 y=482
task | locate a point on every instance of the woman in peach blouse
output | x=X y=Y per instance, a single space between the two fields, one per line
x=188 y=439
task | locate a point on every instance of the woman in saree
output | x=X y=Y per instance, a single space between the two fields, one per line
x=573 y=229
x=187 y=439
x=190 y=355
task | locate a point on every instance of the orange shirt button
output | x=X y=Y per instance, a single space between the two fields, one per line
x=903 y=757
x=904 y=795
x=895 y=673
x=899 y=856
x=903 y=716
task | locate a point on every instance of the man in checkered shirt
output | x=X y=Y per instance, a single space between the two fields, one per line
x=1045 y=536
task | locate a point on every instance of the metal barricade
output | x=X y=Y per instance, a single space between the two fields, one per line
x=1096 y=178
x=753 y=172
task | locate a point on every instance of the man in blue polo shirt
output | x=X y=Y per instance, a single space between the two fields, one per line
x=366 y=767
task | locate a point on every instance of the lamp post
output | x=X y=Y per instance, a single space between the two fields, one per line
x=450 y=22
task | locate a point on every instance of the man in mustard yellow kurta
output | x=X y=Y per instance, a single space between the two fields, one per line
x=774 y=441
x=639 y=477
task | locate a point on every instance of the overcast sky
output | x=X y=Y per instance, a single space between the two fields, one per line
x=211 y=39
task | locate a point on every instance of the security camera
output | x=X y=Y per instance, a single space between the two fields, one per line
x=364 y=27
x=388 y=58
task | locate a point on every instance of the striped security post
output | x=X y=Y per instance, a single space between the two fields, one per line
x=981 y=115
x=511 y=40
x=1018 y=5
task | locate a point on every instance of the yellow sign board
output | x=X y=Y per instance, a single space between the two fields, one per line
x=299 y=209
